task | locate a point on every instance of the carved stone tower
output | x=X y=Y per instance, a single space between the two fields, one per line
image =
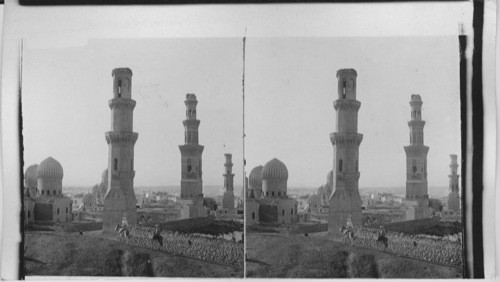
x=416 y=163
x=228 y=197
x=345 y=201
x=191 y=173
x=120 y=198
x=453 y=197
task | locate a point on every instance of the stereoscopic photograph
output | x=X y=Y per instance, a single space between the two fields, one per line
x=133 y=158
x=354 y=148
x=244 y=142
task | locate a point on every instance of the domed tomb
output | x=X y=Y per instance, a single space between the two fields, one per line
x=30 y=180
x=274 y=179
x=255 y=181
x=50 y=174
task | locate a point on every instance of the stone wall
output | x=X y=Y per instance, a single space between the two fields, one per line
x=437 y=250
x=182 y=225
x=80 y=226
x=191 y=245
x=156 y=216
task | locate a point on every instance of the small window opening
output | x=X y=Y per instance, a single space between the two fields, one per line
x=283 y=212
x=340 y=165
x=253 y=215
x=66 y=209
x=292 y=211
x=344 y=86
x=116 y=164
x=189 y=167
x=29 y=214
x=57 y=211
x=279 y=193
x=119 y=88
x=48 y=192
x=272 y=193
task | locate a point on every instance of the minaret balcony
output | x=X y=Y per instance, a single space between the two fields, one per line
x=416 y=124
x=191 y=123
x=347 y=104
x=121 y=137
x=346 y=138
x=123 y=103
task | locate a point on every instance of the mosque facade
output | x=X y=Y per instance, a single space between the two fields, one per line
x=43 y=198
x=120 y=198
x=417 y=197
x=345 y=202
x=191 y=165
x=268 y=201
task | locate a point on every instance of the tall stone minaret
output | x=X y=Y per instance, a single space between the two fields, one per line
x=191 y=173
x=453 y=197
x=120 y=198
x=345 y=201
x=416 y=156
x=228 y=197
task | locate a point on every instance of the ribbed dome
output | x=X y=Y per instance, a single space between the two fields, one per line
x=275 y=169
x=255 y=177
x=50 y=168
x=30 y=176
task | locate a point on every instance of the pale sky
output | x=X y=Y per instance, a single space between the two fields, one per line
x=291 y=86
x=66 y=113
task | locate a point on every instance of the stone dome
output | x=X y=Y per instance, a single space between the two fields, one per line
x=255 y=177
x=275 y=169
x=30 y=176
x=50 y=168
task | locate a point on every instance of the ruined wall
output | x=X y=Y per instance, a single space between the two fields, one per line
x=207 y=249
x=183 y=225
x=438 y=250
x=412 y=226
x=80 y=227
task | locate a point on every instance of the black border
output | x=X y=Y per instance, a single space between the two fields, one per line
x=477 y=142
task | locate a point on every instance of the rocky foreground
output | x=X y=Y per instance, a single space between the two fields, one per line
x=59 y=254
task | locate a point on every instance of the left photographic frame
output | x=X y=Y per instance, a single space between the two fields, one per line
x=132 y=156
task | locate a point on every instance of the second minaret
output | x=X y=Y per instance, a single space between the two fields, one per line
x=228 y=197
x=191 y=173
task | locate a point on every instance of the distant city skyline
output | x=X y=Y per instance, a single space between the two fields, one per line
x=66 y=113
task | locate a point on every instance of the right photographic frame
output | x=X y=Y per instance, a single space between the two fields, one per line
x=353 y=154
